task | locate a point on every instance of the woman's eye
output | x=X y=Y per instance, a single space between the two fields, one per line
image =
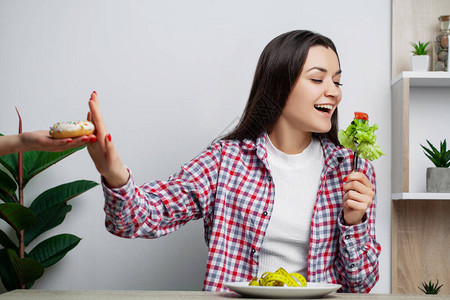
x=337 y=83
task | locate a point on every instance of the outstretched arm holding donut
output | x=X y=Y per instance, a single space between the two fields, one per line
x=39 y=141
x=103 y=152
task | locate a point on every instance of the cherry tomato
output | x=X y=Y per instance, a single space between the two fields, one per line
x=361 y=116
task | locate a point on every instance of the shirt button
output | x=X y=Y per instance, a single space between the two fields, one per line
x=352 y=266
x=269 y=178
x=265 y=213
x=347 y=237
x=253 y=250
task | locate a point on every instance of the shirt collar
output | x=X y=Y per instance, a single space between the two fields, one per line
x=333 y=155
x=259 y=145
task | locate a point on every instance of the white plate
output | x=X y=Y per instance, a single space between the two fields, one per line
x=311 y=290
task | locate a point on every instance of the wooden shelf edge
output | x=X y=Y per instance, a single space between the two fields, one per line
x=420 y=196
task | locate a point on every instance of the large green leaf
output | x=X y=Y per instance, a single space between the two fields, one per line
x=10 y=163
x=6 y=242
x=50 y=207
x=8 y=188
x=27 y=269
x=53 y=249
x=34 y=162
x=16 y=215
x=60 y=194
x=46 y=221
x=7 y=274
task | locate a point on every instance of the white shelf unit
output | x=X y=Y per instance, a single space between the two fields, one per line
x=421 y=196
x=406 y=86
x=440 y=79
x=420 y=220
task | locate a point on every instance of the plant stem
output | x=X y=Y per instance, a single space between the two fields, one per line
x=21 y=202
x=21 y=234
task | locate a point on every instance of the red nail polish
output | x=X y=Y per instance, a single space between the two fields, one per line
x=109 y=137
x=85 y=139
x=69 y=141
x=345 y=178
x=93 y=139
x=94 y=92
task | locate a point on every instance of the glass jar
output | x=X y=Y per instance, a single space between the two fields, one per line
x=440 y=55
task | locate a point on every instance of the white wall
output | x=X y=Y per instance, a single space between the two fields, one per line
x=171 y=76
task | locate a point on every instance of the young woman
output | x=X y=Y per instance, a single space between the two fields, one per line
x=278 y=191
x=39 y=141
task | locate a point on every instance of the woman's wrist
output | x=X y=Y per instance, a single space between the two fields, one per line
x=117 y=178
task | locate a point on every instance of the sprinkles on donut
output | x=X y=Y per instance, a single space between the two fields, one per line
x=61 y=130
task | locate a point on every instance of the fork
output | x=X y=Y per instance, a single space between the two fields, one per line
x=355 y=157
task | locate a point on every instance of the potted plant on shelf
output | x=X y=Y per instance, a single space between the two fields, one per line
x=431 y=288
x=420 y=60
x=438 y=177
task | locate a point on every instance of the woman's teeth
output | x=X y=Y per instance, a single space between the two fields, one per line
x=324 y=107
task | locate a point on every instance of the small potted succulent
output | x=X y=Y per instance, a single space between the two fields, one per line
x=431 y=288
x=420 y=60
x=438 y=177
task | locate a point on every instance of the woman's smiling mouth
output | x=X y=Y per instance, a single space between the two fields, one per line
x=326 y=108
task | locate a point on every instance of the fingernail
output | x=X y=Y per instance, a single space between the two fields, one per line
x=109 y=137
x=93 y=139
x=94 y=92
x=345 y=178
x=85 y=139
x=69 y=141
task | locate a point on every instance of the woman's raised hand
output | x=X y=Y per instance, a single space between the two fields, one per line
x=358 y=197
x=102 y=150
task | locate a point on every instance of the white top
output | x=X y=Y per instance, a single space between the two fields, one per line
x=296 y=179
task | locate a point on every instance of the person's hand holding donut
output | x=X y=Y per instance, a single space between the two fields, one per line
x=39 y=140
x=103 y=152
x=42 y=141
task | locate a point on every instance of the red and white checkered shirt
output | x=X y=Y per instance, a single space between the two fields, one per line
x=230 y=187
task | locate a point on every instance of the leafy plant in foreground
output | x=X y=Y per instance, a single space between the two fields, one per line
x=20 y=268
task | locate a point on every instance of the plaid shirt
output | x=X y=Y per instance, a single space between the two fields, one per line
x=230 y=187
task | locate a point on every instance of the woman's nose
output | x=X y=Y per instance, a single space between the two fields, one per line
x=332 y=90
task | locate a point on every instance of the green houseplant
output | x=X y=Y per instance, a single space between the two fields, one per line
x=20 y=268
x=438 y=177
x=420 y=48
x=431 y=288
x=420 y=60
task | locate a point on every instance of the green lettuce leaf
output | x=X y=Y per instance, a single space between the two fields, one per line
x=359 y=131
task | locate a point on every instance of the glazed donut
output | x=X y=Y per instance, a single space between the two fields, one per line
x=63 y=130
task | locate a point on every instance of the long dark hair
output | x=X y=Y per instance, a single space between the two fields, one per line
x=279 y=66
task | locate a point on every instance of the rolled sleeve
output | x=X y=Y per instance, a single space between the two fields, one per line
x=359 y=255
x=352 y=245
x=114 y=196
